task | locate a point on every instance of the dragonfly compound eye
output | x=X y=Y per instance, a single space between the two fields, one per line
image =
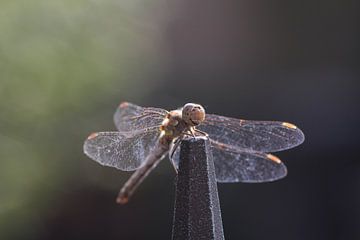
x=193 y=114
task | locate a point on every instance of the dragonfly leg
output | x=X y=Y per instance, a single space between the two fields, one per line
x=201 y=132
x=176 y=145
x=192 y=132
x=188 y=133
x=173 y=150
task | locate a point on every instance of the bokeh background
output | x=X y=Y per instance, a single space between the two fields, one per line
x=66 y=65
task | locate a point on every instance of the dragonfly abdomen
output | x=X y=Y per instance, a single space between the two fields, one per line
x=154 y=157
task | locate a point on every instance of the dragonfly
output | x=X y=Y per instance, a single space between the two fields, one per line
x=241 y=149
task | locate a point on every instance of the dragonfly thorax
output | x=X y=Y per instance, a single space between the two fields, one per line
x=173 y=125
x=178 y=122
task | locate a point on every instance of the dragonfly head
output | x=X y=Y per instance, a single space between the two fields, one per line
x=193 y=114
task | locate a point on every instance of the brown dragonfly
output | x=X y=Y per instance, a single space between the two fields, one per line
x=146 y=135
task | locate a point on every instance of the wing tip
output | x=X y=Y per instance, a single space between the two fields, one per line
x=289 y=125
x=273 y=158
x=124 y=104
x=92 y=136
x=301 y=135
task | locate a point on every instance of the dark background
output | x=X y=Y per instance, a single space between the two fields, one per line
x=65 y=66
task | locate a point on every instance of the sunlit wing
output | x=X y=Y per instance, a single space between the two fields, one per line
x=123 y=150
x=233 y=165
x=130 y=117
x=258 y=136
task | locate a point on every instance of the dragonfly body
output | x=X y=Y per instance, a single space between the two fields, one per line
x=173 y=126
x=146 y=135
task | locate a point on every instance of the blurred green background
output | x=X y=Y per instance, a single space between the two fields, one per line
x=66 y=65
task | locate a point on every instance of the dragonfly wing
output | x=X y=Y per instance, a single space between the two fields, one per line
x=130 y=117
x=123 y=150
x=232 y=165
x=257 y=136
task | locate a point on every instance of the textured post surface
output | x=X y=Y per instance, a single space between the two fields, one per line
x=197 y=212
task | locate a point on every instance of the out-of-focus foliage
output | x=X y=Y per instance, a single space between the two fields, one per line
x=61 y=64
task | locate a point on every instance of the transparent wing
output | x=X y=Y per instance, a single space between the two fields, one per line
x=232 y=165
x=123 y=150
x=258 y=136
x=130 y=117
